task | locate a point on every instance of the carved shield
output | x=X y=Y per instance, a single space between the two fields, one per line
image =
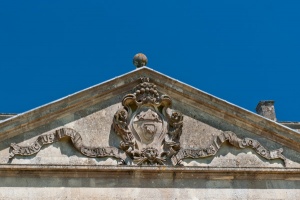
x=147 y=124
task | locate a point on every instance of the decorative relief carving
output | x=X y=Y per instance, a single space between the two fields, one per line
x=62 y=133
x=150 y=131
x=233 y=140
x=149 y=156
x=154 y=128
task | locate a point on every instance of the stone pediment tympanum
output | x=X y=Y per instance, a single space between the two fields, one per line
x=151 y=132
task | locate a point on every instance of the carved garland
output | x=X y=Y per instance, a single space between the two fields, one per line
x=150 y=131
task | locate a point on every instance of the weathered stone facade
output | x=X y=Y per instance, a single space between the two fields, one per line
x=144 y=135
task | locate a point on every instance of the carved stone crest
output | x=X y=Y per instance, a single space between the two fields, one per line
x=149 y=128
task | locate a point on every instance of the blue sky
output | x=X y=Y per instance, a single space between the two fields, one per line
x=240 y=51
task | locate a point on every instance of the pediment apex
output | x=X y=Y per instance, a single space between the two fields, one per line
x=180 y=92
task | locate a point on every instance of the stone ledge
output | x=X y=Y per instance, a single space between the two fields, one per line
x=150 y=172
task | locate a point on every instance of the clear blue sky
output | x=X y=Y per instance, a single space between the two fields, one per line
x=240 y=51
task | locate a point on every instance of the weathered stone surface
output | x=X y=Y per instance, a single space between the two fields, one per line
x=80 y=192
x=4 y=116
x=266 y=109
x=150 y=132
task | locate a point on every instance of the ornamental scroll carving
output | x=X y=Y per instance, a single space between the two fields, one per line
x=150 y=133
x=233 y=140
x=149 y=128
x=76 y=139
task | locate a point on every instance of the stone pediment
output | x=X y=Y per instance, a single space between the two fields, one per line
x=145 y=118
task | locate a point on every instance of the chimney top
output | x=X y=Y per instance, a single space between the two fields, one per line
x=266 y=109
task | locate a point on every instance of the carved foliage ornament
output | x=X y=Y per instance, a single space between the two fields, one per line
x=150 y=133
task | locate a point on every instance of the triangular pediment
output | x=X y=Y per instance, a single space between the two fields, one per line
x=146 y=118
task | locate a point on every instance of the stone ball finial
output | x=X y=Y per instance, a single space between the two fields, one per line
x=140 y=60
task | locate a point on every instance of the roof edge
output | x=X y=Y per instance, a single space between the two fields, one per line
x=212 y=104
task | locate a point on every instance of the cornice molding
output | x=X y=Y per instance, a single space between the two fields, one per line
x=11 y=170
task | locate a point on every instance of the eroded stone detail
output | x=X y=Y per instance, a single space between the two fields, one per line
x=233 y=140
x=149 y=156
x=149 y=128
x=76 y=139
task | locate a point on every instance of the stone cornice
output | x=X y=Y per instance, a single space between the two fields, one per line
x=151 y=171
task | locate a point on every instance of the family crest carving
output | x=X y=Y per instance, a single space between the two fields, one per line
x=149 y=128
x=150 y=133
